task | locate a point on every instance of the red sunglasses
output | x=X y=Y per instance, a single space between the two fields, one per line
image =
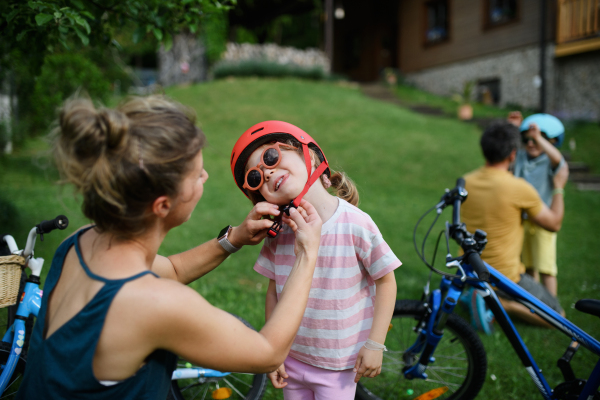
x=270 y=158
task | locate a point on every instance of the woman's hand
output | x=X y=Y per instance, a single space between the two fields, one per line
x=306 y=224
x=278 y=376
x=368 y=363
x=255 y=227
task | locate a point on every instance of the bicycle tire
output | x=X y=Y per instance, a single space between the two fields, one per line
x=244 y=385
x=459 y=338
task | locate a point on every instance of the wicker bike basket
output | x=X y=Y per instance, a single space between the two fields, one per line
x=10 y=278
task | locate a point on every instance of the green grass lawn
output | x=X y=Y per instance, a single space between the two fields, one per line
x=401 y=162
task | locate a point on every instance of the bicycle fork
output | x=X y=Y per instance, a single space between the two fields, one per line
x=431 y=333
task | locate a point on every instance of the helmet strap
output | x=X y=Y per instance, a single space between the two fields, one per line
x=276 y=228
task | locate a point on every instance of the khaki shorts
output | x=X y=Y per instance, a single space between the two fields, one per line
x=539 y=249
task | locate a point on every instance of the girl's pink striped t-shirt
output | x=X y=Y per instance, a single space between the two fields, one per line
x=339 y=314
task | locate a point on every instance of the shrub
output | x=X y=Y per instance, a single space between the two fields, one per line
x=4 y=136
x=9 y=217
x=264 y=68
x=62 y=75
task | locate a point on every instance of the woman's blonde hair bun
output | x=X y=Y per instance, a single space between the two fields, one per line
x=122 y=159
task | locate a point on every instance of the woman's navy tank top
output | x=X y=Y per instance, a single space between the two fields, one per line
x=60 y=367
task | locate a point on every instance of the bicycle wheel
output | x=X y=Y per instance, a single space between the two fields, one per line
x=459 y=361
x=14 y=382
x=243 y=385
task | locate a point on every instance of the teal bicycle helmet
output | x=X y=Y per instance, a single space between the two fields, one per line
x=549 y=126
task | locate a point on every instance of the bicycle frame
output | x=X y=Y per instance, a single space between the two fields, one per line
x=29 y=304
x=443 y=301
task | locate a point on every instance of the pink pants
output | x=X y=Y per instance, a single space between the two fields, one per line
x=307 y=382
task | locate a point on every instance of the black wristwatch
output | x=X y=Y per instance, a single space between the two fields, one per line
x=224 y=241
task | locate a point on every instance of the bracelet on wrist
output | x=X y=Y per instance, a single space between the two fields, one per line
x=558 y=191
x=373 y=345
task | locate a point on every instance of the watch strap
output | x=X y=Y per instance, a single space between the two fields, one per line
x=224 y=241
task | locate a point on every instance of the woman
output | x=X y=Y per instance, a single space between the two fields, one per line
x=108 y=328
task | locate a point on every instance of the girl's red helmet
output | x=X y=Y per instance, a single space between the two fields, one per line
x=265 y=132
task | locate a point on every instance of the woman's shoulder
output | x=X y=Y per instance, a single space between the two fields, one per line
x=156 y=298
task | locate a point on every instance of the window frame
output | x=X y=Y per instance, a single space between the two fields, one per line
x=426 y=43
x=487 y=24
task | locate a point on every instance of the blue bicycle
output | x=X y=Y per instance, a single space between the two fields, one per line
x=188 y=381
x=16 y=285
x=435 y=354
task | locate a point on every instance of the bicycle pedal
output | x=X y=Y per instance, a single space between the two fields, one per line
x=564 y=363
x=433 y=394
x=221 y=393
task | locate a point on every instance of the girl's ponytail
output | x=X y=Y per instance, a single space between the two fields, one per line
x=344 y=187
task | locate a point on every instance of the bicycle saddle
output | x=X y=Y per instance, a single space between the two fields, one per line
x=589 y=306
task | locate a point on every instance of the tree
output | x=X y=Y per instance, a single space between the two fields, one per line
x=30 y=30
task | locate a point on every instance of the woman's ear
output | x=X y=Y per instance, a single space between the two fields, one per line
x=161 y=206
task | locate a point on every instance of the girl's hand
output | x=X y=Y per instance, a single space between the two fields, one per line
x=255 y=227
x=306 y=224
x=278 y=376
x=535 y=132
x=368 y=363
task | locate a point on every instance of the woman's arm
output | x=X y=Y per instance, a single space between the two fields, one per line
x=190 y=265
x=369 y=362
x=271 y=299
x=201 y=333
x=278 y=376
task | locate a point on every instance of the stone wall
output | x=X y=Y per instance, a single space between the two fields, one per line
x=572 y=83
x=577 y=83
x=186 y=62
x=517 y=71
x=308 y=58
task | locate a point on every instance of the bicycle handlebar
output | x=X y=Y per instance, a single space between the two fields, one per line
x=475 y=261
x=471 y=244
x=461 y=195
x=60 y=222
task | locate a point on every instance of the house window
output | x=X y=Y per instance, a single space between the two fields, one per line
x=488 y=91
x=437 y=24
x=499 y=12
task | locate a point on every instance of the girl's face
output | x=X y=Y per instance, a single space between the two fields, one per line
x=285 y=182
x=533 y=148
x=191 y=190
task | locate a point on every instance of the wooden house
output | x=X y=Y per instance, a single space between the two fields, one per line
x=540 y=54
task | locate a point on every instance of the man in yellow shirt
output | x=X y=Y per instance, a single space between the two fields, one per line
x=495 y=204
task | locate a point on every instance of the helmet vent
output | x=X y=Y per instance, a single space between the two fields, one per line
x=232 y=156
x=258 y=130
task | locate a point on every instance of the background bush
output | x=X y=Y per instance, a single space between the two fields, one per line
x=264 y=68
x=9 y=216
x=61 y=76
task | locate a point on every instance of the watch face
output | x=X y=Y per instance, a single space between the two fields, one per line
x=223 y=231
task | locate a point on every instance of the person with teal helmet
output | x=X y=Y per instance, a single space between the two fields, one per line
x=552 y=129
x=537 y=162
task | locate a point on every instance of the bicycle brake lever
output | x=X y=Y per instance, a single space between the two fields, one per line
x=463 y=278
x=456 y=263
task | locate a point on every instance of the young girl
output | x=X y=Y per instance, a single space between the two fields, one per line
x=341 y=337
x=114 y=313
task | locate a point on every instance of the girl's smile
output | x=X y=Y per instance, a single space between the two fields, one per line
x=280 y=182
x=284 y=182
